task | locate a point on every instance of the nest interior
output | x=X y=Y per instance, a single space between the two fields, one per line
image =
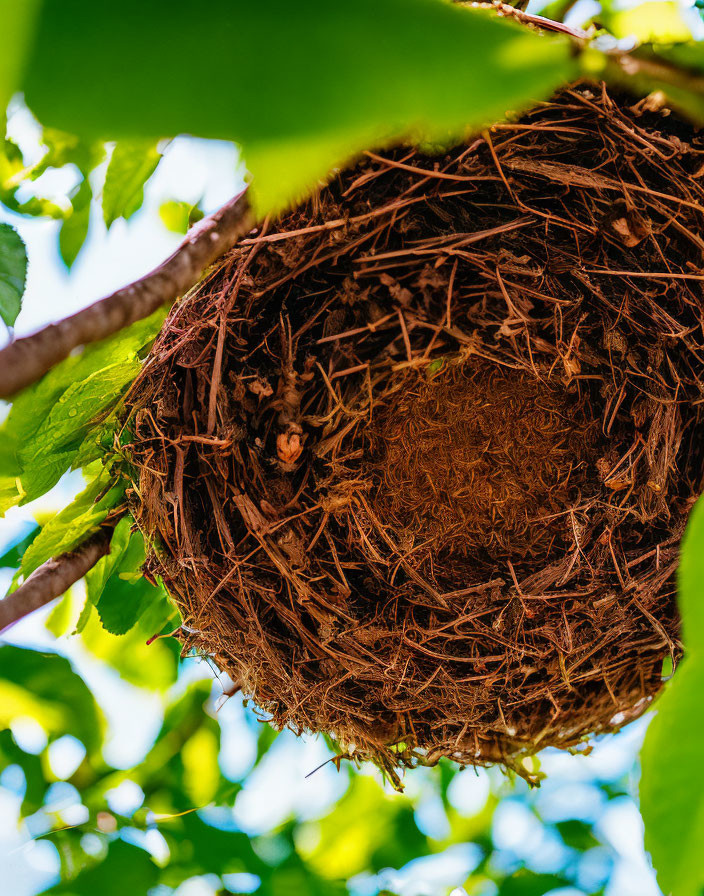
x=417 y=456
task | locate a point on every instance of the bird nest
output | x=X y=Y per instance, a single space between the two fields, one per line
x=416 y=458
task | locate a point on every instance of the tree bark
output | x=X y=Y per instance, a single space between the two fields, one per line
x=53 y=579
x=24 y=361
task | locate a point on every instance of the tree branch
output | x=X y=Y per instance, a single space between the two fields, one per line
x=24 y=361
x=53 y=579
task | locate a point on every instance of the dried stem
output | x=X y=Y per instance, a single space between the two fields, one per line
x=24 y=361
x=53 y=578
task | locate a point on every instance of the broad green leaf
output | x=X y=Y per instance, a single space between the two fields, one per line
x=309 y=85
x=50 y=424
x=117 y=587
x=74 y=523
x=97 y=578
x=124 y=602
x=74 y=228
x=18 y=21
x=58 y=439
x=152 y=666
x=131 y=165
x=672 y=783
x=13 y=273
x=44 y=685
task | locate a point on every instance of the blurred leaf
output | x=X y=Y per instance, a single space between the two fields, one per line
x=529 y=883
x=54 y=694
x=131 y=165
x=178 y=216
x=152 y=666
x=13 y=555
x=18 y=20
x=74 y=523
x=367 y=831
x=198 y=848
x=577 y=834
x=36 y=783
x=98 y=576
x=201 y=768
x=309 y=86
x=672 y=783
x=74 y=228
x=117 y=587
x=13 y=273
x=656 y=21
x=126 y=871
x=59 y=619
x=682 y=59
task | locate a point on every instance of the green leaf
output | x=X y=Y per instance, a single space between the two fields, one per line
x=153 y=666
x=659 y=21
x=529 y=883
x=97 y=578
x=118 y=588
x=309 y=85
x=74 y=523
x=18 y=20
x=74 y=229
x=131 y=165
x=13 y=273
x=13 y=555
x=178 y=216
x=126 y=869
x=44 y=686
x=50 y=423
x=672 y=783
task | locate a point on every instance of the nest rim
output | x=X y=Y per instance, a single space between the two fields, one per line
x=283 y=428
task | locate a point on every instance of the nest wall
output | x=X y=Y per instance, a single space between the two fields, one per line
x=417 y=457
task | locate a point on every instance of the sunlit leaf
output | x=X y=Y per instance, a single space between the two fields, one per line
x=151 y=666
x=672 y=783
x=528 y=883
x=74 y=523
x=309 y=86
x=178 y=216
x=48 y=423
x=131 y=165
x=200 y=761
x=117 y=587
x=53 y=694
x=657 y=21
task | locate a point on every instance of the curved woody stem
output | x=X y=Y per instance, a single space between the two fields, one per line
x=24 y=361
x=53 y=579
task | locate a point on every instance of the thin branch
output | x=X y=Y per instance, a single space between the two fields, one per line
x=24 y=361
x=525 y=18
x=620 y=65
x=53 y=579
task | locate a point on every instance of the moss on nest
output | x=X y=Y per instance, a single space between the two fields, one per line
x=419 y=454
